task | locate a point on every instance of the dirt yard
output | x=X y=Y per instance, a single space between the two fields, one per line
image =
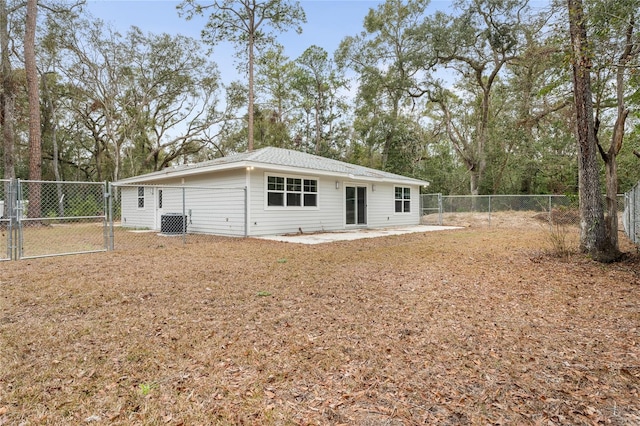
x=474 y=326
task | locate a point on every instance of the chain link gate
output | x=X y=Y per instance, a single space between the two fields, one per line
x=6 y=219
x=45 y=218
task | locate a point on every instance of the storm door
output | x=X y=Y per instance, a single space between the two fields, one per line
x=356 y=205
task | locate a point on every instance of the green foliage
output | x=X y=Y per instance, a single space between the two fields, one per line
x=482 y=91
x=146 y=388
x=230 y=20
x=84 y=206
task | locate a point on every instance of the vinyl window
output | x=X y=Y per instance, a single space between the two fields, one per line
x=291 y=191
x=403 y=199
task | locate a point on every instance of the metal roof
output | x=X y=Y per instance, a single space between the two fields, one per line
x=273 y=158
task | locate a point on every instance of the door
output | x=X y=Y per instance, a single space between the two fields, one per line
x=356 y=205
x=159 y=209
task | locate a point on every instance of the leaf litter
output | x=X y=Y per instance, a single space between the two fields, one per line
x=475 y=326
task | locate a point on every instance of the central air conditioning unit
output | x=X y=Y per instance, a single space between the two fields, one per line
x=173 y=223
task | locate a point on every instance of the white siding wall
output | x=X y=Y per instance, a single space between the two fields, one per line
x=218 y=207
x=132 y=216
x=213 y=205
x=381 y=206
x=216 y=211
x=263 y=220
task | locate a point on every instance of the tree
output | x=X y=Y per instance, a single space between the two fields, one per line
x=35 y=140
x=249 y=25
x=8 y=93
x=274 y=81
x=389 y=57
x=145 y=100
x=616 y=46
x=540 y=122
x=593 y=238
x=317 y=83
x=477 y=43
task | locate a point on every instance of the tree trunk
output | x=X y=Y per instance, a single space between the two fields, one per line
x=35 y=146
x=8 y=95
x=50 y=104
x=474 y=181
x=251 y=90
x=610 y=157
x=611 y=168
x=593 y=238
x=611 y=218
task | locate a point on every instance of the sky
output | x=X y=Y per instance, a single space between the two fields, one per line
x=328 y=22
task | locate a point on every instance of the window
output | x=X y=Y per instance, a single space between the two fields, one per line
x=275 y=191
x=291 y=192
x=159 y=198
x=403 y=199
x=310 y=193
x=141 y=197
x=294 y=192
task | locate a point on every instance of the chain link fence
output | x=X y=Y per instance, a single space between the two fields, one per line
x=631 y=215
x=43 y=218
x=161 y=216
x=503 y=210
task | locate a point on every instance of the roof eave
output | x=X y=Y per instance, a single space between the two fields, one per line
x=349 y=176
x=170 y=173
x=190 y=171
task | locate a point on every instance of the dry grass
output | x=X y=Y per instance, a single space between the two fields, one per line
x=508 y=219
x=47 y=238
x=476 y=326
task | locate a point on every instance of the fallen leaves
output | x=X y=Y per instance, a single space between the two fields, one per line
x=442 y=328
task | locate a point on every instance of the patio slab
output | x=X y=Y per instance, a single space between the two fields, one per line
x=355 y=234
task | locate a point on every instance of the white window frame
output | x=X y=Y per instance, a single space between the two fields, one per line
x=403 y=200
x=286 y=191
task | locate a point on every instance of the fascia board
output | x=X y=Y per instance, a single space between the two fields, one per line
x=191 y=171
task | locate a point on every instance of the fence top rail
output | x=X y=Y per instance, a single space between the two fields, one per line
x=131 y=185
x=75 y=182
x=506 y=195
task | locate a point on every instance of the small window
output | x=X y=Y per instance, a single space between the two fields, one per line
x=159 y=198
x=275 y=191
x=141 y=197
x=291 y=192
x=294 y=192
x=403 y=199
x=310 y=193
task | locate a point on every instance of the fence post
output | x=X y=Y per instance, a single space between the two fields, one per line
x=489 y=211
x=11 y=206
x=440 y=208
x=246 y=216
x=634 y=233
x=626 y=215
x=550 y=215
x=110 y=216
x=184 y=214
x=19 y=210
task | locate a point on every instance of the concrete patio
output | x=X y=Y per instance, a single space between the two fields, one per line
x=355 y=234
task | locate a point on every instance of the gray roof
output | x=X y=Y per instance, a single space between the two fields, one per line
x=273 y=158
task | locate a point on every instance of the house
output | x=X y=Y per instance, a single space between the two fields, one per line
x=269 y=191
